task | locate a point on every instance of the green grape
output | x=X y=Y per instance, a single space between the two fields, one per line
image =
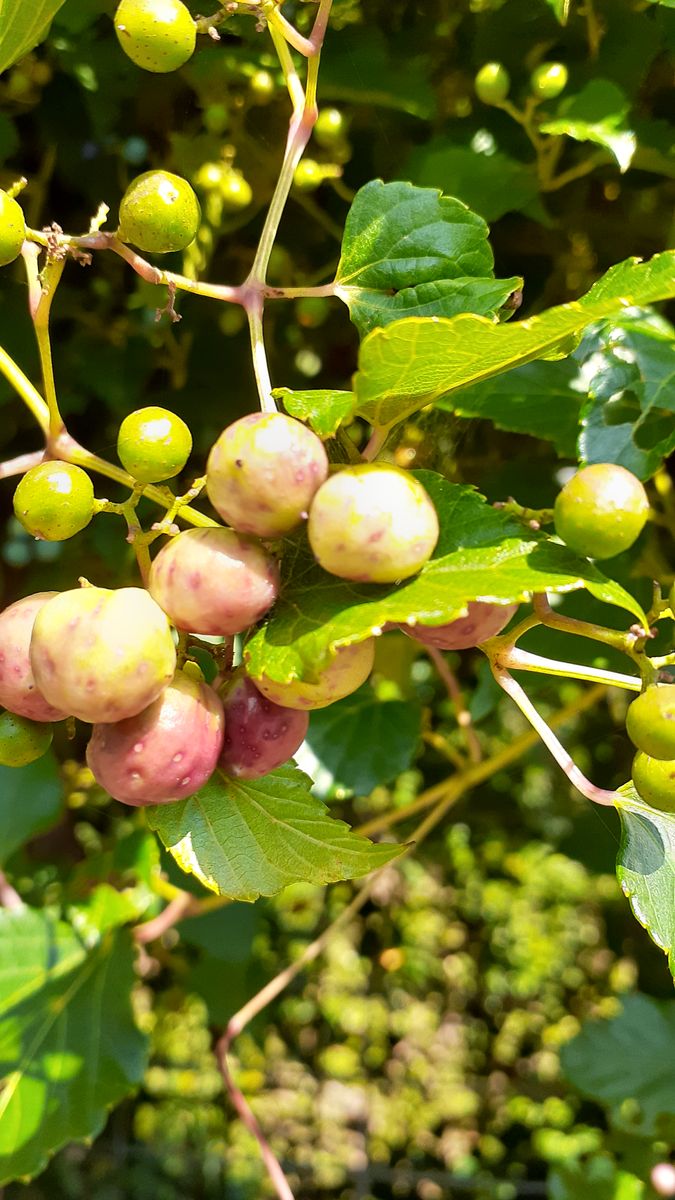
x=601 y=511
x=650 y=721
x=549 y=80
x=262 y=87
x=158 y=35
x=492 y=83
x=235 y=190
x=654 y=780
x=309 y=175
x=12 y=229
x=54 y=501
x=159 y=213
x=350 y=667
x=330 y=128
x=22 y=741
x=153 y=444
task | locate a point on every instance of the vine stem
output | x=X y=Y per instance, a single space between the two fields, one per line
x=564 y=760
x=44 y=288
x=21 y=464
x=372 y=448
x=25 y=389
x=462 y=714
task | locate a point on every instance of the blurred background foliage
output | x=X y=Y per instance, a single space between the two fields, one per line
x=429 y=1052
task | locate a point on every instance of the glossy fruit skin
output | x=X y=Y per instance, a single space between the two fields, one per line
x=259 y=735
x=650 y=721
x=330 y=128
x=158 y=35
x=492 y=83
x=549 y=79
x=12 y=229
x=214 y=581
x=165 y=753
x=601 y=511
x=22 y=741
x=263 y=472
x=102 y=655
x=350 y=667
x=153 y=444
x=654 y=780
x=54 y=501
x=309 y=175
x=236 y=191
x=18 y=690
x=372 y=523
x=481 y=622
x=159 y=213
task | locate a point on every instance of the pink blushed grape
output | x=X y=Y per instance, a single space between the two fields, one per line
x=350 y=667
x=19 y=692
x=481 y=622
x=259 y=734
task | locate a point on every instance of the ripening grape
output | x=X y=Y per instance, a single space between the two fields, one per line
x=12 y=229
x=18 y=690
x=373 y=523
x=654 y=780
x=481 y=622
x=214 y=581
x=158 y=35
x=153 y=444
x=350 y=667
x=166 y=752
x=259 y=734
x=22 y=741
x=102 y=655
x=263 y=472
x=601 y=511
x=650 y=721
x=492 y=83
x=548 y=80
x=54 y=501
x=159 y=213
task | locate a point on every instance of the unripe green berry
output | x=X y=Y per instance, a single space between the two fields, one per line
x=650 y=721
x=235 y=190
x=330 y=128
x=158 y=35
x=22 y=741
x=262 y=86
x=492 y=83
x=601 y=511
x=309 y=175
x=159 y=213
x=548 y=80
x=12 y=229
x=153 y=444
x=54 y=501
x=654 y=780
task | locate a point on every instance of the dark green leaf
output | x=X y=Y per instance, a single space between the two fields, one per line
x=363 y=741
x=23 y=23
x=409 y=250
x=69 y=1047
x=490 y=184
x=360 y=66
x=323 y=410
x=30 y=802
x=246 y=839
x=646 y=868
x=599 y=114
x=597 y=1179
x=413 y=363
x=481 y=554
x=642 y=1035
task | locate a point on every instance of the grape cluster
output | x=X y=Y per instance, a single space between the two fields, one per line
x=650 y=723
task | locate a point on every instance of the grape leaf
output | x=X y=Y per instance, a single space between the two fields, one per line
x=23 y=23
x=646 y=868
x=409 y=250
x=491 y=185
x=30 y=802
x=250 y=838
x=481 y=554
x=596 y=1179
x=561 y=8
x=360 y=66
x=364 y=741
x=323 y=410
x=595 y=1061
x=69 y=1047
x=597 y=114
x=415 y=362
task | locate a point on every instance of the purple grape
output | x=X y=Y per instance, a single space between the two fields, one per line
x=166 y=752
x=481 y=622
x=259 y=735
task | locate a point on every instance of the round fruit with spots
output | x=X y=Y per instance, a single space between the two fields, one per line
x=12 y=229
x=372 y=523
x=102 y=655
x=54 y=501
x=166 y=752
x=259 y=734
x=159 y=213
x=347 y=670
x=158 y=35
x=263 y=472
x=482 y=621
x=153 y=444
x=601 y=511
x=18 y=690
x=654 y=780
x=214 y=581
x=22 y=741
x=650 y=721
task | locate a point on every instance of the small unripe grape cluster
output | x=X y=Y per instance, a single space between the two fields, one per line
x=650 y=724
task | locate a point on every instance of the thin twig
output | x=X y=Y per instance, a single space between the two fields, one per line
x=462 y=714
x=21 y=464
x=174 y=912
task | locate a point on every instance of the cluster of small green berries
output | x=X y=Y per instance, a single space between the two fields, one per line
x=493 y=82
x=650 y=723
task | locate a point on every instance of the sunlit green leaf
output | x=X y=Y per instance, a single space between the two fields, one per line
x=23 y=23
x=323 y=410
x=599 y=114
x=31 y=799
x=646 y=868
